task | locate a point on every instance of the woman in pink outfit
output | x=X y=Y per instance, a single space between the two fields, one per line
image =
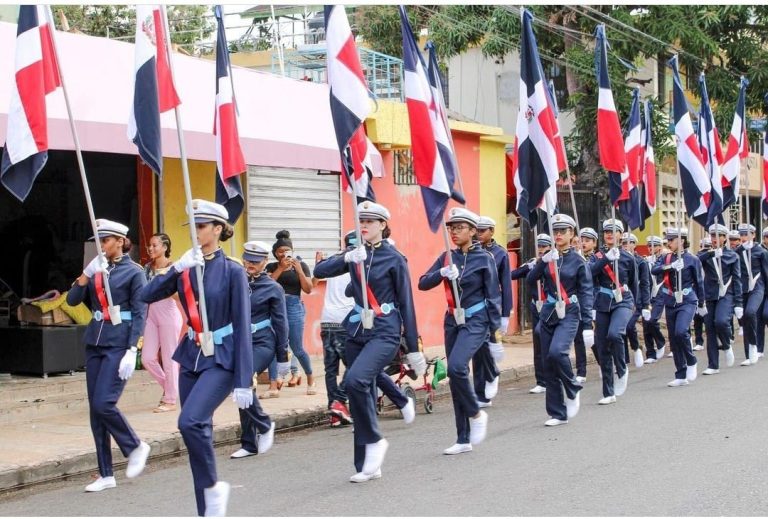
x=161 y=334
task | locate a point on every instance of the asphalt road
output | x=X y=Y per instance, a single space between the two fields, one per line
x=696 y=450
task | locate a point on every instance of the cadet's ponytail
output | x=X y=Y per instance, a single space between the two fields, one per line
x=227 y=231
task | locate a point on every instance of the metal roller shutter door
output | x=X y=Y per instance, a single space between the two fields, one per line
x=299 y=200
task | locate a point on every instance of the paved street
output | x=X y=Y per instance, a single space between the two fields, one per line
x=696 y=450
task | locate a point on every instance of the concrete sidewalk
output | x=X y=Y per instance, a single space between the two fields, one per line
x=54 y=444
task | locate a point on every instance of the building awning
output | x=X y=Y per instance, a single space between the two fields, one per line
x=282 y=122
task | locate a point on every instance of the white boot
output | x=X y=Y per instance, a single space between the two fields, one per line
x=409 y=412
x=753 y=353
x=458 y=448
x=374 y=456
x=216 y=499
x=639 y=358
x=492 y=389
x=101 y=484
x=729 y=357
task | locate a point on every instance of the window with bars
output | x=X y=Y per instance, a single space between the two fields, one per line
x=667 y=206
x=404 y=168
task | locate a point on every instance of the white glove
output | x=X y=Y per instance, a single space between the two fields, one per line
x=189 y=260
x=589 y=338
x=356 y=255
x=613 y=254
x=243 y=397
x=504 y=324
x=702 y=311
x=550 y=256
x=127 y=365
x=450 y=272
x=738 y=312
x=531 y=263
x=748 y=244
x=417 y=362
x=497 y=351
x=718 y=253
x=283 y=368
x=678 y=264
x=646 y=314
x=594 y=314
x=97 y=264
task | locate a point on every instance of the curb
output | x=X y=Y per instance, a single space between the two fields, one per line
x=77 y=464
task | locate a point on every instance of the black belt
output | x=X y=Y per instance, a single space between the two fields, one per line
x=330 y=326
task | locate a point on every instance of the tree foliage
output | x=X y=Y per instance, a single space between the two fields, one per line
x=189 y=24
x=721 y=41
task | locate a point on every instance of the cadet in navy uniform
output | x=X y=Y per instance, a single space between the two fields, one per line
x=536 y=290
x=754 y=292
x=720 y=265
x=206 y=378
x=764 y=313
x=484 y=370
x=612 y=316
x=654 y=339
x=479 y=295
x=705 y=245
x=110 y=352
x=679 y=316
x=642 y=300
x=588 y=241
x=556 y=332
x=269 y=328
x=369 y=350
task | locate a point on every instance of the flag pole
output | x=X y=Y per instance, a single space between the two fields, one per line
x=114 y=312
x=366 y=319
x=559 y=305
x=679 y=291
x=752 y=280
x=206 y=341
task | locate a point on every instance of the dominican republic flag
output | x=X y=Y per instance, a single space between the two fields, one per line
x=350 y=102
x=711 y=153
x=738 y=148
x=697 y=189
x=764 y=200
x=633 y=149
x=37 y=75
x=536 y=163
x=560 y=147
x=153 y=89
x=648 y=176
x=434 y=161
x=610 y=141
x=229 y=156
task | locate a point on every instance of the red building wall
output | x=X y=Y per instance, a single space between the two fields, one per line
x=412 y=237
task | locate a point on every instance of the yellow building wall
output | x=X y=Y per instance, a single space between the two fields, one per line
x=202 y=181
x=493 y=185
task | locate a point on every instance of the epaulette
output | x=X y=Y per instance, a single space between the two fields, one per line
x=133 y=263
x=236 y=260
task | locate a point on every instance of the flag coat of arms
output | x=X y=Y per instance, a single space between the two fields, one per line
x=36 y=75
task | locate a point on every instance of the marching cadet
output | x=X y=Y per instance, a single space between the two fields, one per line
x=588 y=242
x=614 y=305
x=705 y=245
x=654 y=339
x=543 y=245
x=680 y=315
x=642 y=299
x=212 y=364
x=269 y=329
x=558 y=328
x=373 y=334
x=734 y=242
x=764 y=311
x=111 y=342
x=485 y=372
x=723 y=296
x=753 y=275
x=468 y=326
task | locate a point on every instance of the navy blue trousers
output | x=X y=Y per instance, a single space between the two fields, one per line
x=461 y=344
x=717 y=322
x=390 y=390
x=679 y=326
x=538 y=365
x=580 y=350
x=367 y=356
x=610 y=328
x=698 y=329
x=556 y=338
x=484 y=370
x=754 y=301
x=654 y=339
x=254 y=420
x=334 y=340
x=201 y=393
x=104 y=390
